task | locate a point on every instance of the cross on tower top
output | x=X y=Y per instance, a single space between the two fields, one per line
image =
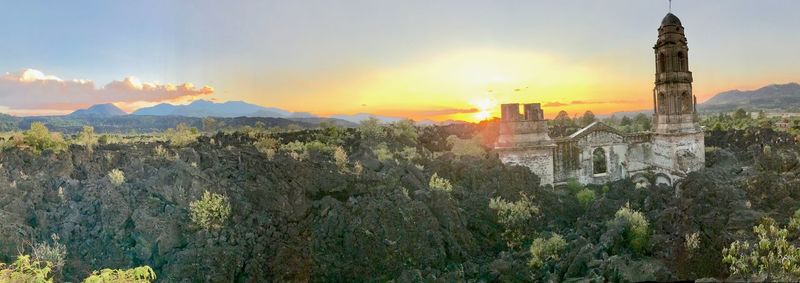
x=670 y=6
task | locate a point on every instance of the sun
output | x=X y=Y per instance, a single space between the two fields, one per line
x=484 y=107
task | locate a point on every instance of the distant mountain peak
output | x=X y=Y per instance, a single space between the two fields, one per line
x=207 y=108
x=99 y=110
x=774 y=97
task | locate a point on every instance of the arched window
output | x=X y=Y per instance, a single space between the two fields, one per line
x=599 y=165
x=662 y=103
x=662 y=62
x=680 y=63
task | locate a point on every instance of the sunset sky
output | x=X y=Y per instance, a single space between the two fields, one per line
x=420 y=59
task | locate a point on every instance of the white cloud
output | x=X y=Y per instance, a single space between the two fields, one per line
x=31 y=89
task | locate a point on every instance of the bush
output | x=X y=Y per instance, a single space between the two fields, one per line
x=138 y=274
x=25 y=270
x=39 y=138
x=585 y=197
x=52 y=253
x=546 y=250
x=296 y=149
x=440 y=184
x=340 y=158
x=514 y=216
x=636 y=228
x=405 y=131
x=371 y=130
x=181 y=135
x=770 y=258
x=573 y=186
x=267 y=146
x=87 y=138
x=211 y=211
x=383 y=153
x=116 y=177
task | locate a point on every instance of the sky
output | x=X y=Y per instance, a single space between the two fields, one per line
x=420 y=59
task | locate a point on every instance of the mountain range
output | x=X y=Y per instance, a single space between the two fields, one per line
x=230 y=109
x=771 y=98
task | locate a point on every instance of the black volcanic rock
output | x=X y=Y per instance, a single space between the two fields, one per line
x=99 y=110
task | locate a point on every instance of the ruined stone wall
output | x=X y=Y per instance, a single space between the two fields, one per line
x=616 y=156
x=538 y=160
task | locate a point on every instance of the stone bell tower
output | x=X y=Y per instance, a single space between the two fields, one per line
x=677 y=137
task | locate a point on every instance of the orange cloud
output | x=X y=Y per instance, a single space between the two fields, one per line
x=28 y=90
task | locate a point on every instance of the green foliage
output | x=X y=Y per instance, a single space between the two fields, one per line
x=585 y=197
x=181 y=135
x=770 y=258
x=514 y=216
x=636 y=228
x=405 y=131
x=116 y=177
x=383 y=153
x=296 y=150
x=371 y=130
x=211 y=211
x=26 y=270
x=794 y=221
x=546 y=250
x=38 y=138
x=573 y=186
x=87 y=138
x=139 y=274
x=408 y=153
x=740 y=114
x=464 y=147
x=587 y=118
x=340 y=158
x=691 y=242
x=54 y=253
x=440 y=184
x=267 y=145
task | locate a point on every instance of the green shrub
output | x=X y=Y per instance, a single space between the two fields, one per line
x=371 y=130
x=340 y=158
x=573 y=186
x=211 y=211
x=267 y=146
x=440 y=184
x=770 y=258
x=546 y=250
x=139 y=275
x=296 y=150
x=636 y=228
x=405 y=131
x=585 y=197
x=514 y=216
x=181 y=135
x=383 y=153
x=116 y=177
x=25 y=270
x=38 y=138
x=87 y=138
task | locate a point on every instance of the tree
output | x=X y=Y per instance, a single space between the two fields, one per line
x=770 y=258
x=587 y=118
x=39 y=138
x=626 y=121
x=740 y=114
x=137 y=275
x=635 y=228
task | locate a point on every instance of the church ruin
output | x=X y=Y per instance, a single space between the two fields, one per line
x=598 y=153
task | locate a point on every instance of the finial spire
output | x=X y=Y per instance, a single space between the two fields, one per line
x=670 y=6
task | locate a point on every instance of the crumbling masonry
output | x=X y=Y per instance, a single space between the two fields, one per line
x=598 y=153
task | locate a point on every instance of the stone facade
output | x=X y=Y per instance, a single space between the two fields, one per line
x=598 y=153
